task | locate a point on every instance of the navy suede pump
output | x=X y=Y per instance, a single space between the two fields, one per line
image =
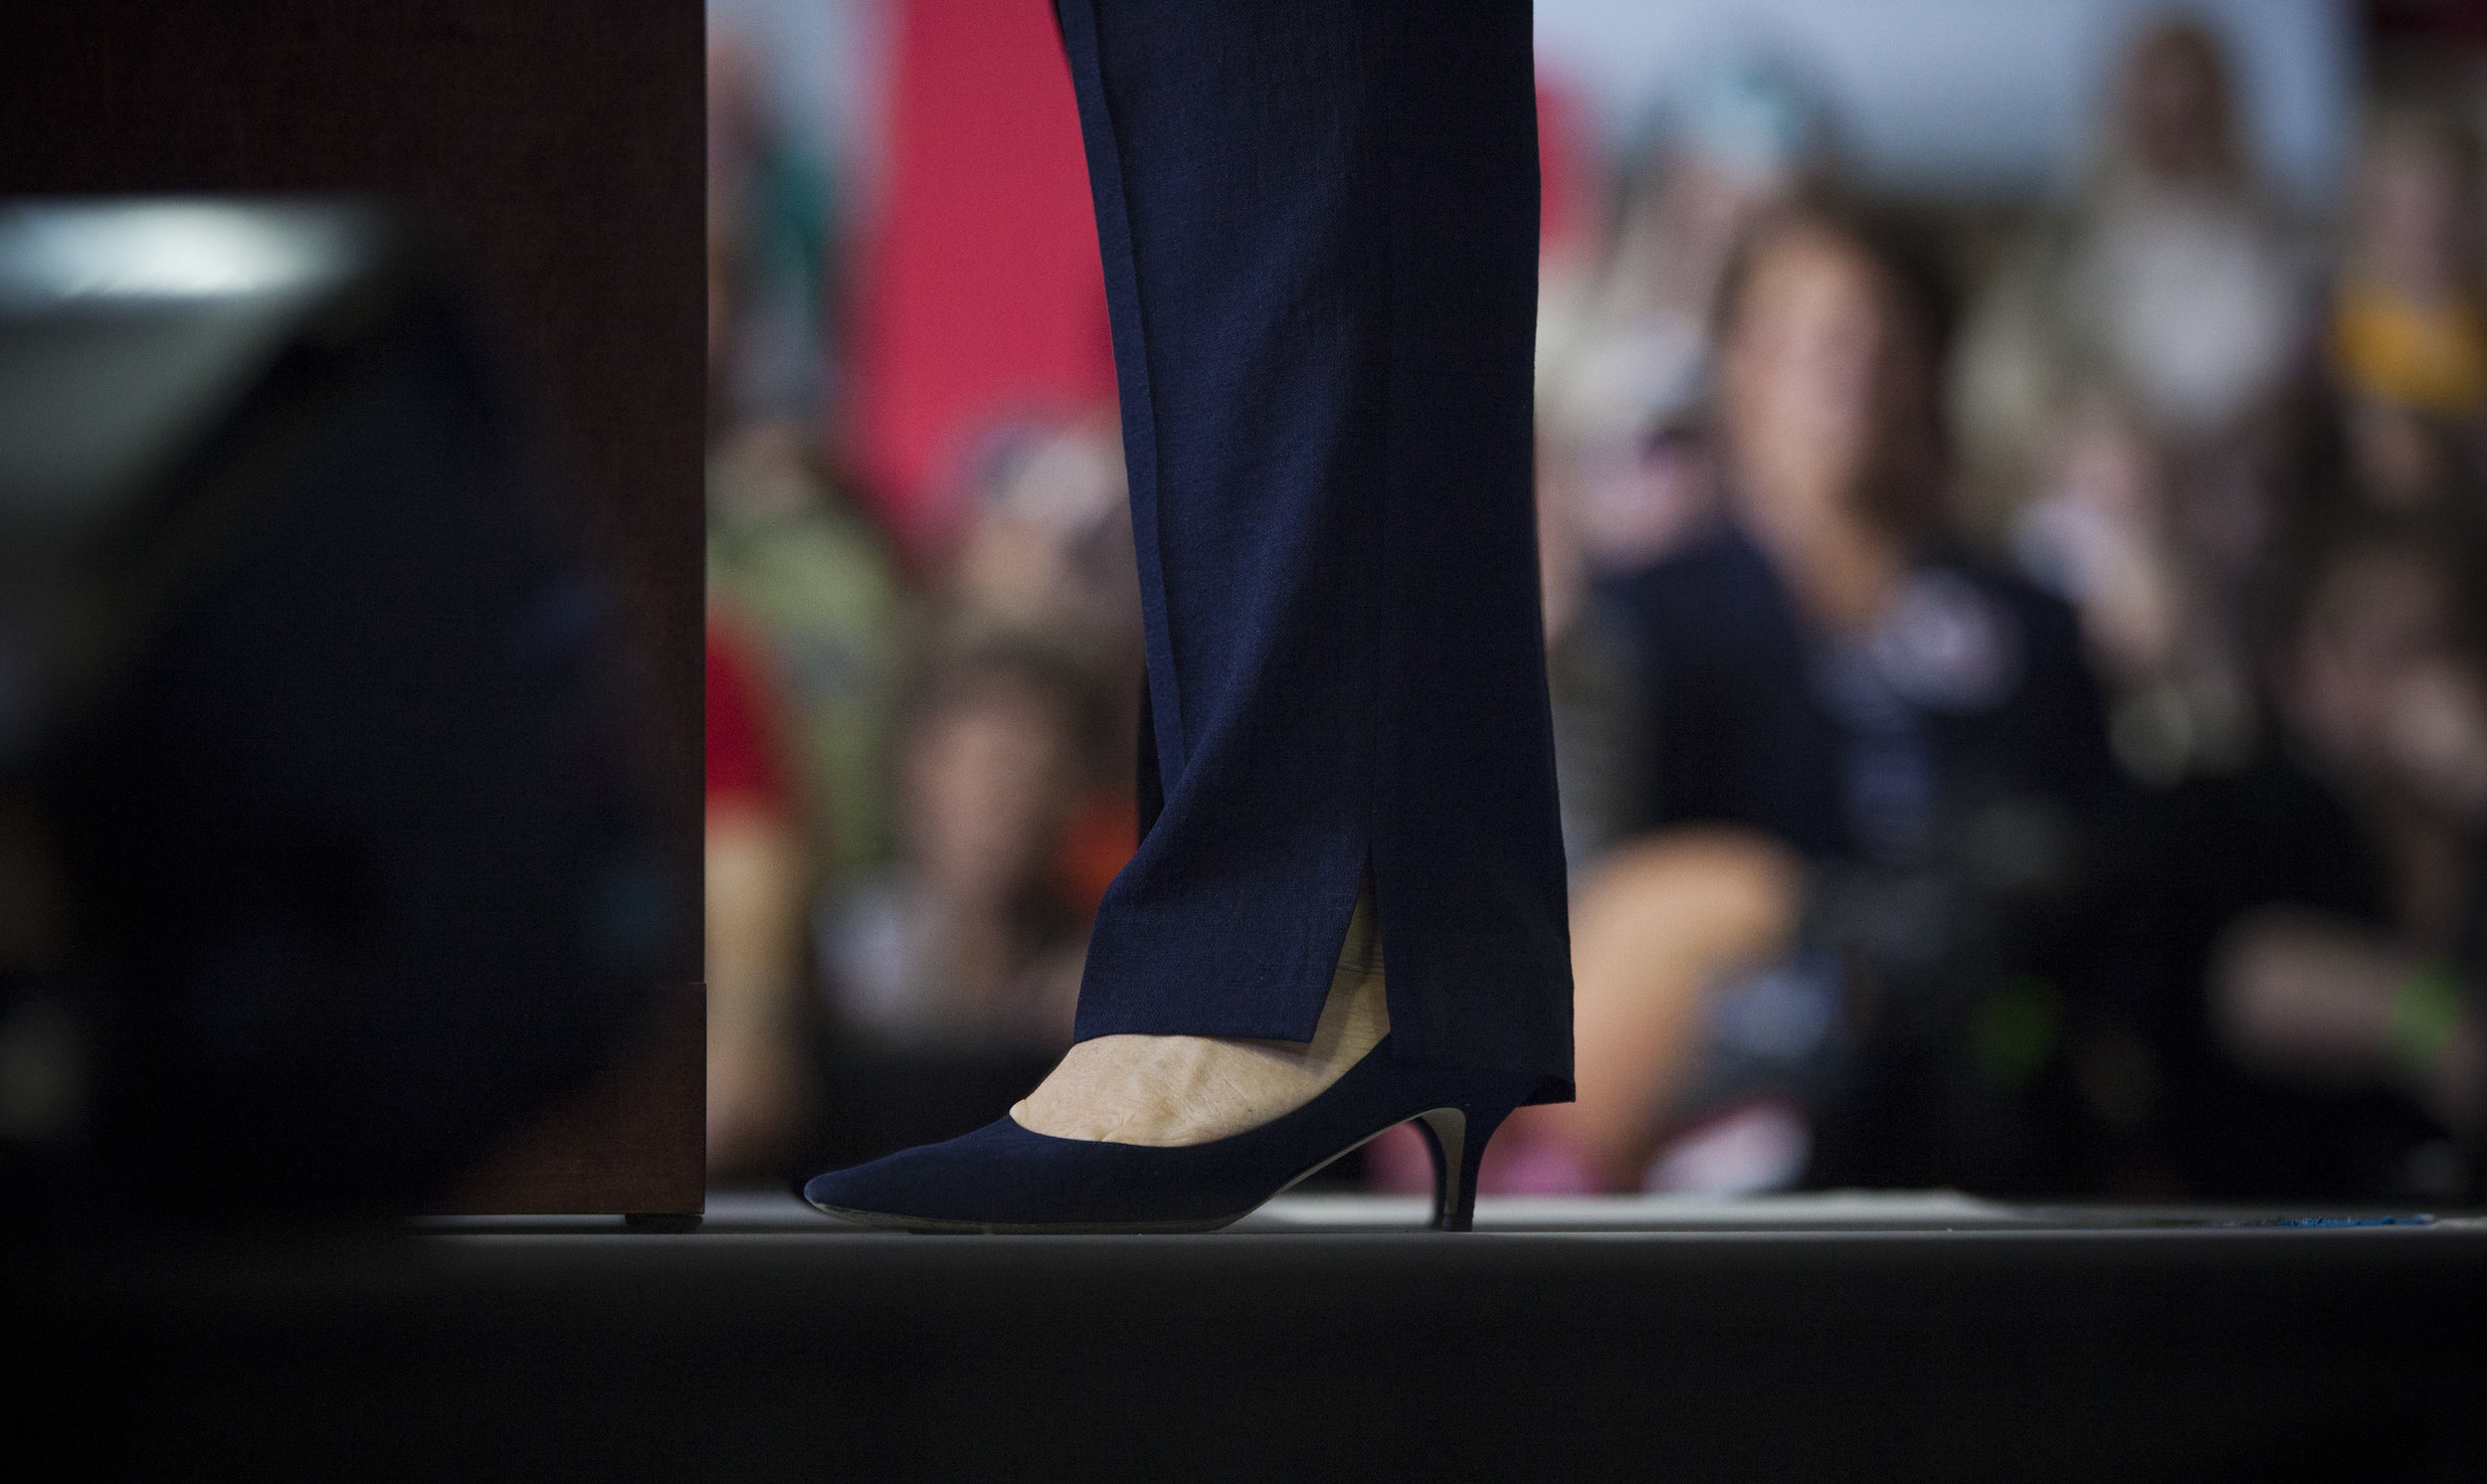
x=1006 y=1178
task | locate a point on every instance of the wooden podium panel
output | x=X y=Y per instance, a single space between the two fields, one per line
x=633 y=1142
x=557 y=148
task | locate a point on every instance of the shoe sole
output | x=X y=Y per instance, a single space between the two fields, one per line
x=939 y=1226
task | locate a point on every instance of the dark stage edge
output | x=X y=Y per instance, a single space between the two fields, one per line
x=1832 y=1337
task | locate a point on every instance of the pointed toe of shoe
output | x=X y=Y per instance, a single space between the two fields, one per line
x=828 y=1191
x=1002 y=1178
x=873 y=1193
x=965 y=1184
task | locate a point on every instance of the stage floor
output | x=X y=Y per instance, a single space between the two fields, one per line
x=1839 y=1336
x=777 y=1214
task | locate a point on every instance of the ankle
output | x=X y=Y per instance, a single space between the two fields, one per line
x=1189 y=1089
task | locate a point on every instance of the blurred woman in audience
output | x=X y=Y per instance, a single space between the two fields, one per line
x=974 y=939
x=2306 y=933
x=2114 y=394
x=1625 y=473
x=1864 y=748
x=2107 y=532
x=2393 y=426
x=1046 y=561
x=2406 y=324
x=1623 y=353
x=1047 y=544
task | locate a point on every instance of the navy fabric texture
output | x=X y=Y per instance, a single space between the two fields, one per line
x=1005 y=1176
x=1319 y=229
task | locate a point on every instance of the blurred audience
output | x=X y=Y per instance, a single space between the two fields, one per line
x=759 y=873
x=2393 y=425
x=2406 y=326
x=1866 y=744
x=1048 y=545
x=769 y=194
x=2300 y=936
x=817 y=591
x=2114 y=397
x=808 y=578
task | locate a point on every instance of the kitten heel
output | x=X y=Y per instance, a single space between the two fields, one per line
x=1458 y=1137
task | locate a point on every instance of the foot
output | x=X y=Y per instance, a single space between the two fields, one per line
x=1191 y=1089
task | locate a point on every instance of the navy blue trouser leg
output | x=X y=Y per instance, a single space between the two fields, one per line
x=1319 y=223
